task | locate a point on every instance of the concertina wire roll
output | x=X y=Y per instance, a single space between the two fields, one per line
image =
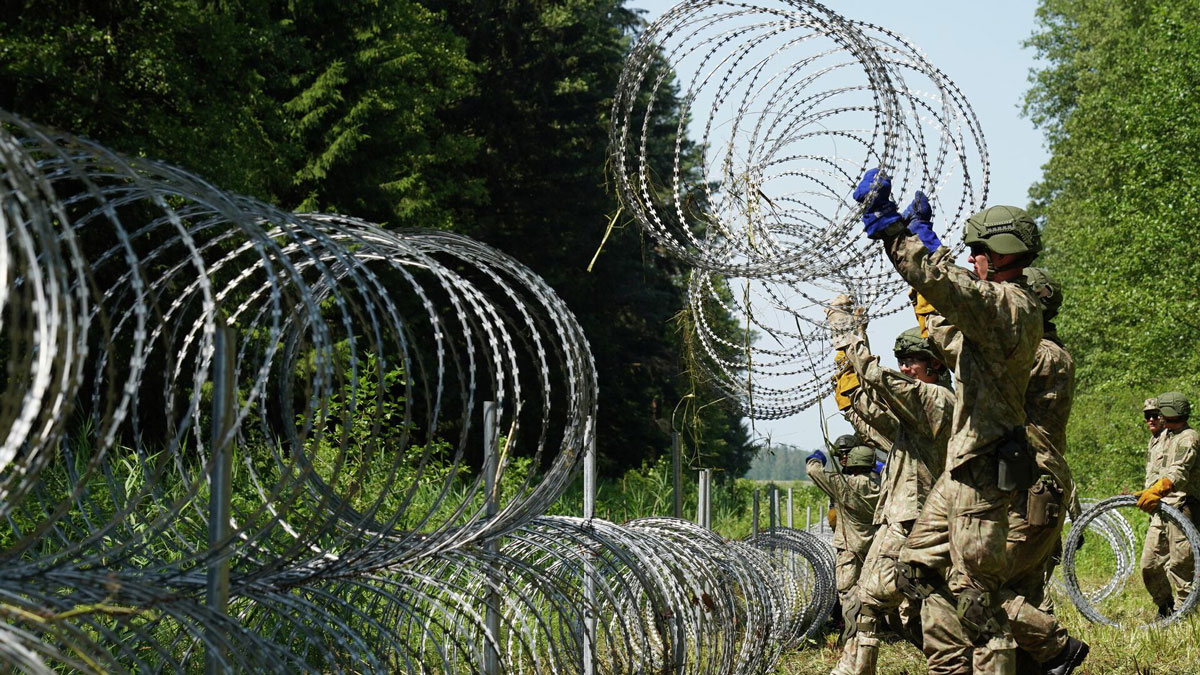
x=789 y=105
x=359 y=534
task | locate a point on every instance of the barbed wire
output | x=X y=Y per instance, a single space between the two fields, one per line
x=1083 y=601
x=363 y=534
x=775 y=110
x=1115 y=530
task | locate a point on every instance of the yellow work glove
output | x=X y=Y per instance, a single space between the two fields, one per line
x=922 y=309
x=844 y=382
x=1149 y=498
x=831 y=516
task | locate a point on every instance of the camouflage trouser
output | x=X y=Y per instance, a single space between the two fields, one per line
x=878 y=594
x=848 y=571
x=849 y=568
x=1031 y=550
x=1167 y=566
x=963 y=531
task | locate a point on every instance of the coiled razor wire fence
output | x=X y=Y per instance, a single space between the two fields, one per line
x=1087 y=603
x=276 y=442
x=1112 y=528
x=789 y=104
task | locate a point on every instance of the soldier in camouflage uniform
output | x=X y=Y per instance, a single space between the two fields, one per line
x=855 y=493
x=965 y=518
x=1167 y=563
x=1036 y=518
x=871 y=420
x=923 y=407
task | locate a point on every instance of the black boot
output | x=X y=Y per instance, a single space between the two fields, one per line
x=1071 y=656
x=1165 y=610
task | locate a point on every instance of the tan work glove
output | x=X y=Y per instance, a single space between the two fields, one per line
x=1149 y=498
x=831 y=516
x=840 y=315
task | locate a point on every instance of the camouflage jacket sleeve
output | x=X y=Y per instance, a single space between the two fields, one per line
x=909 y=400
x=849 y=501
x=1182 y=460
x=963 y=300
x=871 y=419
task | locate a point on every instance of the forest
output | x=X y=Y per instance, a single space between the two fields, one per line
x=490 y=119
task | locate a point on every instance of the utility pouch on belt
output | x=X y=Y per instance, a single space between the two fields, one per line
x=1041 y=506
x=1016 y=468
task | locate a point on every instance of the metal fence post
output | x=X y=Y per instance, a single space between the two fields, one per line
x=491 y=466
x=773 y=504
x=704 y=499
x=224 y=412
x=677 y=473
x=755 y=519
x=789 y=515
x=589 y=571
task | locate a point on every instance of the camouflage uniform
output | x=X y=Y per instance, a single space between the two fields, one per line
x=924 y=413
x=964 y=521
x=871 y=420
x=855 y=496
x=1035 y=543
x=1167 y=566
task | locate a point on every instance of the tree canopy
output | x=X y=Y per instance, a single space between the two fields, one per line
x=488 y=118
x=1118 y=102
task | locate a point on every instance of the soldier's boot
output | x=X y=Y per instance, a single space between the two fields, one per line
x=1071 y=656
x=867 y=654
x=1165 y=610
x=845 y=664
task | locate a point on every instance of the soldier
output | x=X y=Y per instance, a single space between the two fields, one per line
x=962 y=530
x=855 y=493
x=923 y=409
x=1167 y=566
x=869 y=418
x=1154 y=421
x=1036 y=521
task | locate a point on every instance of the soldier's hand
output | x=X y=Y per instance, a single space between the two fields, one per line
x=881 y=211
x=842 y=318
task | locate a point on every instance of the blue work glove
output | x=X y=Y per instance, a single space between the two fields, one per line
x=919 y=215
x=879 y=466
x=882 y=211
x=817 y=455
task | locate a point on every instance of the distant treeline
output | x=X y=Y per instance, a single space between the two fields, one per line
x=779 y=462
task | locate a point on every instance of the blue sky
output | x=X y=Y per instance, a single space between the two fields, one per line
x=979 y=46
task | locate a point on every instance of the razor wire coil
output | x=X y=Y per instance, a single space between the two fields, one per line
x=790 y=103
x=1086 y=606
x=360 y=538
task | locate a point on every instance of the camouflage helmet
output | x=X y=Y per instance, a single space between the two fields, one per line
x=845 y=442
x=860 y=456
x=1046 y=287
x=1174 y=404
x=1150 y=405
x=910 y=343
x=1003 y=230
